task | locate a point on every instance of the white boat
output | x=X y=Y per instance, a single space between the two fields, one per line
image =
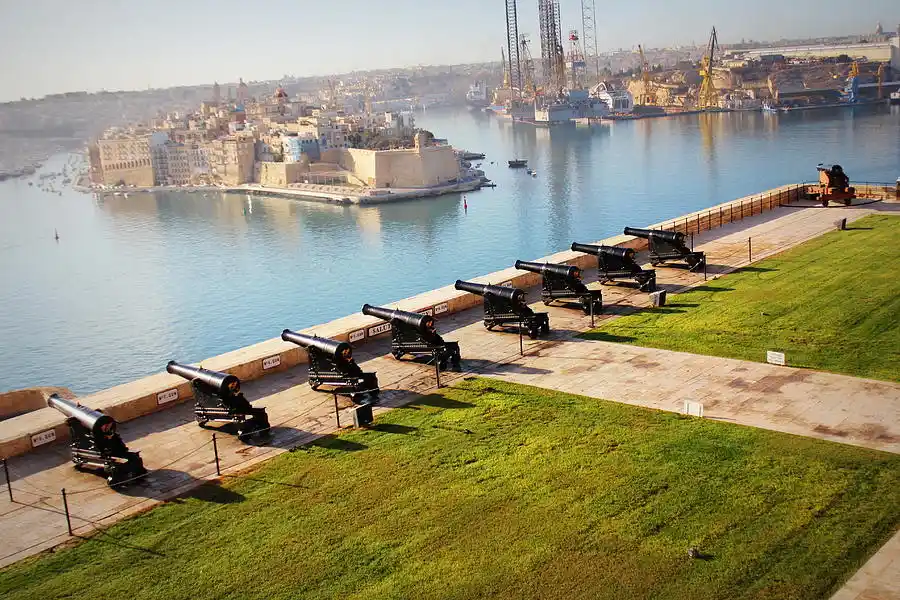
x=895 y=98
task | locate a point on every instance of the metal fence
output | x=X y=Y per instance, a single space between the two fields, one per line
x=755 y=205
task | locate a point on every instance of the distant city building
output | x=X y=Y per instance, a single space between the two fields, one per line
x=126 y=160
x=294 y=146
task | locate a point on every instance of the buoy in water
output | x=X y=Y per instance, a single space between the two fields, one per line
x=56 y=235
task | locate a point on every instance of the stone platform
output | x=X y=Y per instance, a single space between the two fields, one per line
x=180 y=454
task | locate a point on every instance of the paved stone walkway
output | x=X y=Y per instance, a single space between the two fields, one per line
x=180 y=454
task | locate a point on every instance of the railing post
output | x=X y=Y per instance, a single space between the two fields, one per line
x=521 y=342
x=8 y=480
x=437 y=371
x=66 y=508
x=337 y=412
x=749 y=250
x=216 y=452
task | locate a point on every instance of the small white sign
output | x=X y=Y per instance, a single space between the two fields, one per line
x=440 y=309
x=44 y=437
x=167 y=396
x=692 y=408
x=427 y=311
x=775 y=358
x=506 y=284
x=271 y=362
x=379 y=329
x=356 y=336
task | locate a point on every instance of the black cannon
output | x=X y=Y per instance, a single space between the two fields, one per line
x=218 y=397
x=414 y=334
x=506 y=306
x=618 y=263
x=668 y=245
x=562 y=282
x=331 y=364
x=95 y=443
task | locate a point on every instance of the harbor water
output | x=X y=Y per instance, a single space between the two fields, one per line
x=134 y=282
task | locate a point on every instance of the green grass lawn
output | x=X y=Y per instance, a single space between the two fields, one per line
x=498 y=490
x=832 y=303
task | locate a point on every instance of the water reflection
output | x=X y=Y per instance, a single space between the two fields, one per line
x=136 y=281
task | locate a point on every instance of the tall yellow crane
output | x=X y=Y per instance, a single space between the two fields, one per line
x=709 y=96
x=647 y=97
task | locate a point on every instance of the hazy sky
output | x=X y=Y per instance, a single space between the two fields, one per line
x=49 y=46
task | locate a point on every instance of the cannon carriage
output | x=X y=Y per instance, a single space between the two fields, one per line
x=668 y=245
x=563 y=282
x=331 y=364
x=615 y=263
x=96 y=444
x=834 y=186
x=504 y=306
x=218 y=398
x=414 y=334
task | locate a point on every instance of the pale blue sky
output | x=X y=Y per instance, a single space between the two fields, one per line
x=50 y=46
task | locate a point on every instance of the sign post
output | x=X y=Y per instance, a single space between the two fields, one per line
x=775 y=358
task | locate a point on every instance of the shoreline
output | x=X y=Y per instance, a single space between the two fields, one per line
x=310 y=192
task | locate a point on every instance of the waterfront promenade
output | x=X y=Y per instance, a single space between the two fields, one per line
x=784 y=399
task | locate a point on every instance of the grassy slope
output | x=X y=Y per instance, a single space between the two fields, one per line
x=492 y=489
x=830 y=304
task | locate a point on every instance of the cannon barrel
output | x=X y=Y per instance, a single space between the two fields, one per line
x=586 y=248
x=626 y=253
x=567 y=271
x=221 y=382
x=498 y=291
x=420 y=322
x=674 y=237
x=96 y=421
x=330 y=347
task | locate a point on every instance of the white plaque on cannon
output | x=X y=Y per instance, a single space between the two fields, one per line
x=167 y=396
x=379 y=329
x=44 y=437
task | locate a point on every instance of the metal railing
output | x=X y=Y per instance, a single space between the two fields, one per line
x=760 y=203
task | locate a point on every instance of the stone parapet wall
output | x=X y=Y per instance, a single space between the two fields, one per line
x=158 y=392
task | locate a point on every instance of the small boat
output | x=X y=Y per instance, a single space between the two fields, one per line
x=518 y=163
x=534 y=173
x=895 y=98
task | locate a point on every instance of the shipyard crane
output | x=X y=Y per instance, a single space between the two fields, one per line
x=647 y=97
x=589 y=35
x=709 y=96
x=530 y=90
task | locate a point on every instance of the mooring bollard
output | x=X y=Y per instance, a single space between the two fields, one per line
x=749 y=250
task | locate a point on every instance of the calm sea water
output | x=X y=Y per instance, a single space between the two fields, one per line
x=135 y=282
